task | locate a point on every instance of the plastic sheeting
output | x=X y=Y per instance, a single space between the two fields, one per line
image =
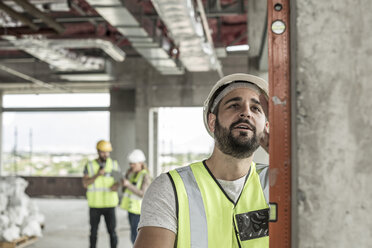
x=19 y=215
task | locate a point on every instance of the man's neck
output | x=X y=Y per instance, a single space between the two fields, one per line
x=226 y=167
x=101 y=161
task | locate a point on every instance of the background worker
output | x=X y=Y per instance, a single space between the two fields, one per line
x=223 y=200
x=135 y=183
x=102 y=192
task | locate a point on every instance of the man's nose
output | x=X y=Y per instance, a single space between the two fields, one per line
x=246 y=112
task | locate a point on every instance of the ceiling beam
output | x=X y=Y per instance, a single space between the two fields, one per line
x=75 y=19
x=30 y=8
x=56 y=109
x=14 y=14
x=31 y=79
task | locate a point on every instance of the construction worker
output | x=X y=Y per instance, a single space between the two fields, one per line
x=102 y=192
x=135 y=184
x=222 y=201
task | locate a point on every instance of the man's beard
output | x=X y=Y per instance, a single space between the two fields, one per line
x=238 y=147
x=103 y=159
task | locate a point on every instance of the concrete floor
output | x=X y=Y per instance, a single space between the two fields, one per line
x=67 y=225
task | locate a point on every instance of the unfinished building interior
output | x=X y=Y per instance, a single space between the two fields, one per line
x=152 y=54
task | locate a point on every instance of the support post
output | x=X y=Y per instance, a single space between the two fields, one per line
x=1 y=132
x=122 y=125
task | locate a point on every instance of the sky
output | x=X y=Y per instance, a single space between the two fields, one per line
x=181 y=130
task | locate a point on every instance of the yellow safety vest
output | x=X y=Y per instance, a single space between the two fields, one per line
x=207 y=217
x=99 y=194
x=132 y=202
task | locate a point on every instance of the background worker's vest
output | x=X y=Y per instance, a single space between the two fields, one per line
x=132 y=202
x=98 y=193
x=207 y=217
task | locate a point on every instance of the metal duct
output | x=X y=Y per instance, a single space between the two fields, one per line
x=107 y=46
x=46 y=49
x=118 y=16
x=196 y=52
x=58 y=58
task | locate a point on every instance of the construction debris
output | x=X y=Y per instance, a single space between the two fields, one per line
x=19 y=215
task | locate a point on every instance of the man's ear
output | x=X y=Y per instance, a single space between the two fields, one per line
x=265 y=105
x=211 y=121
x=267 y=127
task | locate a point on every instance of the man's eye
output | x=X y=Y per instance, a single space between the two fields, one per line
x=235 y=105
x=256 y=109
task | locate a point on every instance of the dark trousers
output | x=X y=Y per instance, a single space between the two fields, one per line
x=110 y=220
x=133 y=222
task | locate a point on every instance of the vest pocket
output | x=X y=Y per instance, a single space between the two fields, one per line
x=254 y=224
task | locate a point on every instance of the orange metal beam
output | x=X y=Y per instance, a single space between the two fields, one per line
x=280 y=121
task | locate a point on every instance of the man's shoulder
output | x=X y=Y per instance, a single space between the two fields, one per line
x=159 y=206
x=160 y=182
x=261 y=167
x=160 y=189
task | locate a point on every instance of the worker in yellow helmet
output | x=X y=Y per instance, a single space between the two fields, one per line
x=102 y=192
x=222 y=201
x=135 y=184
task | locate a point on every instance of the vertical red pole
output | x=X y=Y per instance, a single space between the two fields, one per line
x=280 y=121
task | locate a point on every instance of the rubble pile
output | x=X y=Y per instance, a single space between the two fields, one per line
x=19 y=215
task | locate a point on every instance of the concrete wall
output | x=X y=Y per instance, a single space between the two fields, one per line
x=334 y=110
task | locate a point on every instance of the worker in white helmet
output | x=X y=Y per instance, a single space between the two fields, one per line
x=223 y=200
x=102 y=192
x=135 y=184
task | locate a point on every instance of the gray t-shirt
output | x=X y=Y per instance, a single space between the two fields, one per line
x=159 y=203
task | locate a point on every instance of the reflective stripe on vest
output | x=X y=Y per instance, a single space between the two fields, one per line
x=132 y=202
x=99 y=194
x=202 y=224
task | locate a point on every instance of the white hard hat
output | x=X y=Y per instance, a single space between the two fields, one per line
x=233 y=78
x=136 y=156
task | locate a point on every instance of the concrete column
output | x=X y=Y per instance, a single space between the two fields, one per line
x=1 y=132
x=142 y=130
x=334 y=109
x=153 y=143
x=256 y=29
x=144 y=94
x=122 y=125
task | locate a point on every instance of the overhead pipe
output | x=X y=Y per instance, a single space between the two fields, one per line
x=14 y=14
x=30 y=8
x=209 y=36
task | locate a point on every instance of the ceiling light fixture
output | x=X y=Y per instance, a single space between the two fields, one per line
x=238 y=48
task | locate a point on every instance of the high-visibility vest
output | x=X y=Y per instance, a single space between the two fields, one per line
x=208 y=218
x=99 y=194
x=132 y=202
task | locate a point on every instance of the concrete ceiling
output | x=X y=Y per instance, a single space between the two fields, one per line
x=26 y=27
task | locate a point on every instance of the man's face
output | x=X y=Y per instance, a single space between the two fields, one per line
x=136 y=167
x=239 y=124
x=103 y=155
